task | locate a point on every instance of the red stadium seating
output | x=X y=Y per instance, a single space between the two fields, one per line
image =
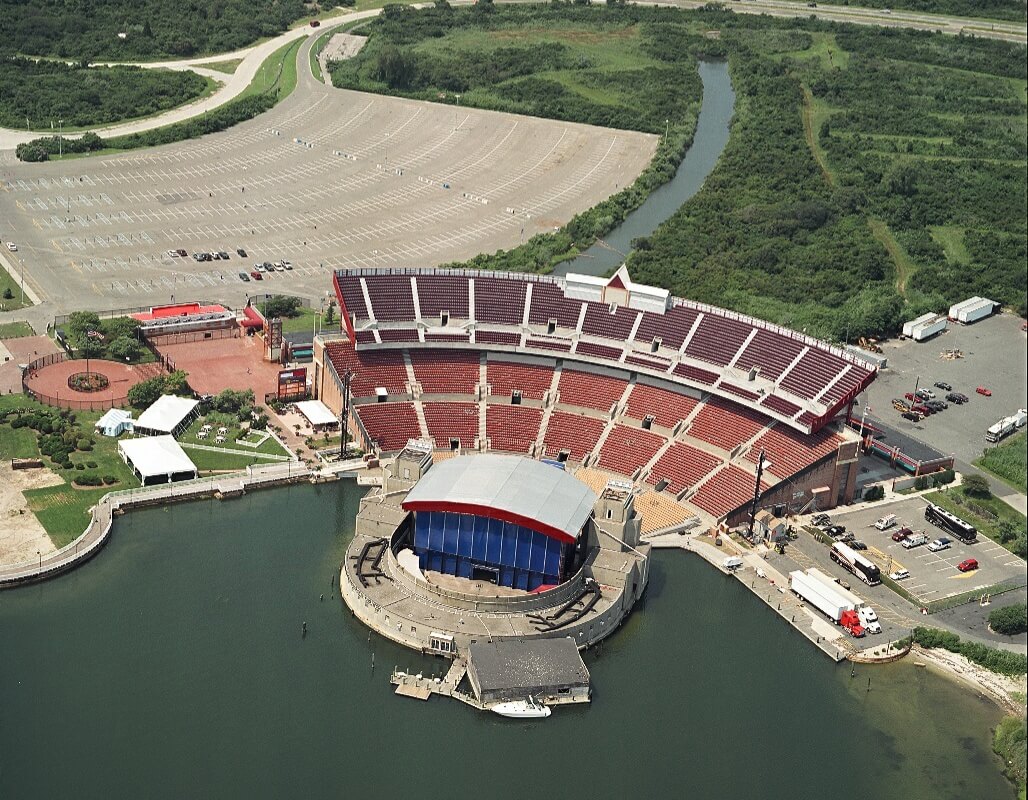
x=390 y=425
x=371 y=368
x=353 y=298
x=443 y=293
x=391 y=296
x=499 y=300
x=683 y=466
x=452 y=421
x=717 y=339
x=769 y=351
x=574 y=432
x=548 y=302
x=600 y=322
x=726 y=491
x=588 y=390
x=627 y=448
x=599 y=350
x=726 y=425
x=497 y=337
x=513 y=429
x=668 y=407
x=398 y=335
x=505 y=376
x=781 y=405
x=790 y=451
x=671 y=328
x=550 y=344
x=446 y=371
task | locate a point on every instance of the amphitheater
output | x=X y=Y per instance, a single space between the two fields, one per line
x=613 y=378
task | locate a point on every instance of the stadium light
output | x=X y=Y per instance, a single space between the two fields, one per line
x=762 y=463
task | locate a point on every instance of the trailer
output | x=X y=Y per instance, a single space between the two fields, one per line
x=822 y=597
x=835 y=586
x=972 y=310
x=854 y=563
x=924 y=331
x=908 y=327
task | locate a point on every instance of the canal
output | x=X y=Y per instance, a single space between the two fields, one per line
x=712 y=129
x=173 y=665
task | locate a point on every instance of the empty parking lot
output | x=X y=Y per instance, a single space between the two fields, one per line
x=327 y=179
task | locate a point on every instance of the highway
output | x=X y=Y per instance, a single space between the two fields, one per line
x=252 y=57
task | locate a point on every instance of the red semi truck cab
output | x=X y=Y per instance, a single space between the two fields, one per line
x=850 y=620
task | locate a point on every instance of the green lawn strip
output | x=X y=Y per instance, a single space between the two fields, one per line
x=15 y=330
x=17 y=442
x=1008 y=462
x=210 y=461
x=228 y=66
x=987 y=526
x=277 y=72
x=233 y=432
x=7 y=283
x=951 y=239
x=905 y=267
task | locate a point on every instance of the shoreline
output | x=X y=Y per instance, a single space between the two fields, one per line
x=992 y=685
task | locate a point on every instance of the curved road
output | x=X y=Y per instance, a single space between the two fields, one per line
x=252 y=57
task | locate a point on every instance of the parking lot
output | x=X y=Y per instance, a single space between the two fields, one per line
x=933 y=576
x=327 y=179
x=995 y=352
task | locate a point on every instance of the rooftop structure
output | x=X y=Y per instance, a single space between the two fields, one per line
x=516 y=668
x=513 y=489
x=157 y=459
x=316 y=412
x=168 y=414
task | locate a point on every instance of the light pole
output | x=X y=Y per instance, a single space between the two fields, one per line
x=345 y=415
x=762 y=463
x=60 y=140
x=40 y=555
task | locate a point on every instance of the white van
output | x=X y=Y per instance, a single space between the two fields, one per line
x=916 y=540
x=886 y=522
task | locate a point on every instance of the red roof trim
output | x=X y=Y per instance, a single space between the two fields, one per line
x=490 y=513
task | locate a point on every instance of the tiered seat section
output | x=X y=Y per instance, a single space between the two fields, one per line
x=683 y=466
x=390 y=425
x=353 y=298
x=499 y=300
x=726 y=491
x=531 y=380
x=627 y=448
x=445 y=371
x=791 y=451
x=671 y=328
x=513 y=429
x=589 y=391
x=781 y=405
x=548 y=302
x=391 y=296
x=666 y=406
x=599 y=350
x=726 y=425
x=398 y=335
x=769 y=351
x=440 y=293
x=815 y=371
x=497 y=337
x=452 y=421
x=371 y=369
x=600 y=322
x=573 y=432
x=717 y=339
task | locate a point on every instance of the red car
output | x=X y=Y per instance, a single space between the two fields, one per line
x=968 y=564
x=984 y=391
x=256 y=276
x=901 y=534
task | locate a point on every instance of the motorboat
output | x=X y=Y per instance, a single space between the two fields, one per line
x=522 y=709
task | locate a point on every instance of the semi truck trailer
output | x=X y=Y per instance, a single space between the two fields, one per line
x=826 y=600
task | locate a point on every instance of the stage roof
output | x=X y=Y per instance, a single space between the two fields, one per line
x=510 y=488
x=317 y=413
x=156 y=455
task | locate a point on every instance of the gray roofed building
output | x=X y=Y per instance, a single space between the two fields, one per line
x=513 y=669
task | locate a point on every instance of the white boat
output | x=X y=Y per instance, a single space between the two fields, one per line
x=530 y=709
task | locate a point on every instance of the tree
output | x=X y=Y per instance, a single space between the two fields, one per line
x=8 y=294
x=124 y=348
x=146 y=392
x=976 y=486
x=91 y=347
x=122 y=326
x=330 y=312
x=1009 y=620
x=81 y=322
x=279 y=305
x=177 y=382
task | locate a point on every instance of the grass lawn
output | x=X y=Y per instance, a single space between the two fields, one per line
x=209 y=461
x=951 y=239
x=17 y=442
x=228 y=66
x=7 y=282
x=1008 y=462
x=277 y=72
x=995 y=510
x=15 y=330
x=302 y=322
x=269 y=447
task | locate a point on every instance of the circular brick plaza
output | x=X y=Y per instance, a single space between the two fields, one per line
x=50 y=383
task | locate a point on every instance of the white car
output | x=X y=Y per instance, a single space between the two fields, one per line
x=900 y=574
x=12 y=247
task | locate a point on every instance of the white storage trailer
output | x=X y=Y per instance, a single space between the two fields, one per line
x=972 y=310
x=929 y=328
x=908 y=327
x=831 y=583
x=823 y=598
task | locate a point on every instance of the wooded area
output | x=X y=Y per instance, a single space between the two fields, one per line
x=44 y=92
x=871 y=174
x=152 y=28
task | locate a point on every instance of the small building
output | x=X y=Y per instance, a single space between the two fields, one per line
x=169 y=415
x=769 y=527
x=157 y=459
x=317 y=414
x=512 y=669
x=115 y=422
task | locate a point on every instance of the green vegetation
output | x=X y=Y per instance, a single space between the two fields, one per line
x=1009 y=620
x=15 y=330
x=295 y=317
x=117 y=339
x=228 y=66
x=846 y=167
x=42 y=93
x=273 y=82
x=146 y=392
x=211 y=461
x=1010 y=744
x=990 y=515
x=984 y=9
x=152 y=28
x=1002 y=661
x=1008 y=461
x=10 y=293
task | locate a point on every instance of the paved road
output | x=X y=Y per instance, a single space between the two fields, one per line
x=255 y=55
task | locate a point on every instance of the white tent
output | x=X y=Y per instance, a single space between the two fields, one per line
x=157 y=459
x=115 y=422
x=168 y=414
x=316 y=412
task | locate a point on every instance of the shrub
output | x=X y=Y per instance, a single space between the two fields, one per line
x=84 y=445
x=1009 y=620
x=109 y=479
x=91 y=479
x=921 y=482
x=945 y=477
x=873 y=493
x=91 y=464
x=80 y=466
x=1001 y=661
x=976 y=486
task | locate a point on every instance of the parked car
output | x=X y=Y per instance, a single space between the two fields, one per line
x=983 y=391
x=847 y=538
x=937 y=405
x=957 y=398
x=886 y=522
x=910 y=396
x=913 y=416
x=240 y=252
x=968 y=564
x=901 y=534
x=223 y=255
x=244 y=277
x=820 y=519
x=901 y=405
x=835 y=530
x=944 y=386
x=12 y=247
x=287 y=264
x=256 y=276
x=914 y=540
x=940 y=544
x=856 y=544
x=172 y=253
x=925 y=394
x=900 y=574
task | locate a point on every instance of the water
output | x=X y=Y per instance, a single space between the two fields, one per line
x=709 y=142
x=172 y=665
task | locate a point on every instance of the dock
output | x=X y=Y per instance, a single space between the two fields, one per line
x=421 y=688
